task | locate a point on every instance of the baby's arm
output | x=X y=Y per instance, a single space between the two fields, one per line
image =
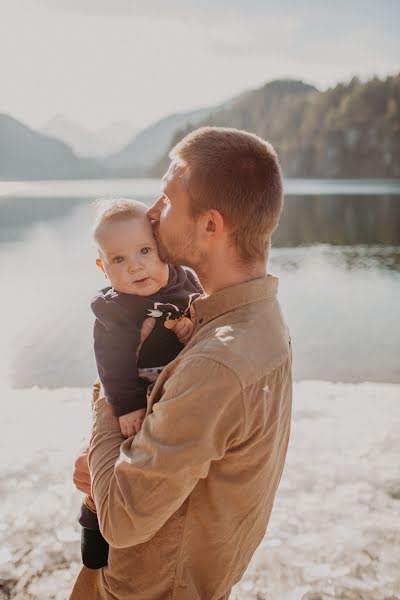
x=131 y=423
x=116 y=340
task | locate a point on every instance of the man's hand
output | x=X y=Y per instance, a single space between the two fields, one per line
x=131 y=423
x=81 y=475
x=183 y=329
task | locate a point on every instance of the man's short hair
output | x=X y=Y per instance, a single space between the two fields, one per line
x=238 y=174
x=116 y=210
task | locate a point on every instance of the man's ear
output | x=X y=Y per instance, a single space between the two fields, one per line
x=215 y=222
x=100 y=264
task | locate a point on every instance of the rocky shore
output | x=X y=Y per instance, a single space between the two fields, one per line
x=335 y=528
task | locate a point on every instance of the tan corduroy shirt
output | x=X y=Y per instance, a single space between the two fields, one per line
x=185 y=503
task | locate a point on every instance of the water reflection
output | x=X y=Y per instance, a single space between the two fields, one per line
x=349 y=258
x=336 y=220
x=339 y=220
x=19 y=215
x=338 y=259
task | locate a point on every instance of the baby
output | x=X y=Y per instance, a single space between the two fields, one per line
x=131 y=355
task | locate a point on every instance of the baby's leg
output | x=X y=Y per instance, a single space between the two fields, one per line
x=94 y=548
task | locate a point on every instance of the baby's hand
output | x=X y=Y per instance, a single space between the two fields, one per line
x=183 y=329
x=131 y=423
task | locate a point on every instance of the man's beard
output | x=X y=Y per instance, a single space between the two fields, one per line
x=180 y=250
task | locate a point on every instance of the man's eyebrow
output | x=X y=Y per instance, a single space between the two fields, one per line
x=164 y=188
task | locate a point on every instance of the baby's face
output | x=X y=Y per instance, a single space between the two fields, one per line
x=129 y=257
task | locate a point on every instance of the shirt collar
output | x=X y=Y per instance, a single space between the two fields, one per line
x=206 y=308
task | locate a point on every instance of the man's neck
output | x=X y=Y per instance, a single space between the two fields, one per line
x=219 y=275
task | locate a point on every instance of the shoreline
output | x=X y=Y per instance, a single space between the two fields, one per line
x=335 y=526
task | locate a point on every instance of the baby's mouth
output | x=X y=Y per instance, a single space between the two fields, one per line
x=141 y=280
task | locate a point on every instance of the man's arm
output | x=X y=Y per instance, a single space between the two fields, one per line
x=138 y=486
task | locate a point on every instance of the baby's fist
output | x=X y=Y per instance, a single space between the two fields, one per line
x=183 y=329
x=131 y=423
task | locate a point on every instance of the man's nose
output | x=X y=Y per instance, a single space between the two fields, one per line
x=154 y=211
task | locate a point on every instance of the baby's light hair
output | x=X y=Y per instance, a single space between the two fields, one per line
x=116 y=210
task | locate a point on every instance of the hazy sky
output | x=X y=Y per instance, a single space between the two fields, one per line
x=97 y=61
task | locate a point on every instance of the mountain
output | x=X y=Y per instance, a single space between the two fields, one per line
x=350 y=130
x=149 y=145
x=116 y=136
x=86 y=143
x=27 y=154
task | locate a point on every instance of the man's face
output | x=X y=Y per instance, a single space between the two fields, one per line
x=174 y=227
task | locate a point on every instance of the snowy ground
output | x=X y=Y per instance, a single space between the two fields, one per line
x=335 y=528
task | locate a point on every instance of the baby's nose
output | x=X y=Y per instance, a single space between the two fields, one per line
x=133 y=267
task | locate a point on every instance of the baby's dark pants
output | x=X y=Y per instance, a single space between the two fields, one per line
x=94 y=548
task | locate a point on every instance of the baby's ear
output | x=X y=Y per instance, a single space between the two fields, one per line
x=100 y=264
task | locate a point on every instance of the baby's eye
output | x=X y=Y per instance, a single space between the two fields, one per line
x=145 y=250
x=118 y=259
x=166 y=200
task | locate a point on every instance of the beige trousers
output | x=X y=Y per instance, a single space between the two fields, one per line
x=86 y=585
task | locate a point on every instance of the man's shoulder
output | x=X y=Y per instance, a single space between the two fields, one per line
x=247 y=346
x=199 y=375
x=200 y=359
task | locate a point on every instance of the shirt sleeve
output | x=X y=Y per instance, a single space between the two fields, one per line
x=139 y=485
x=116 y=339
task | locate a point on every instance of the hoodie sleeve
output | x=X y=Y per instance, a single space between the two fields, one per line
x=116 y=340
x=192 y=277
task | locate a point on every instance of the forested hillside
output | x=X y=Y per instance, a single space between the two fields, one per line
x=350 y=130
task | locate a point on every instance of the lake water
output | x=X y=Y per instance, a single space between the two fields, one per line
x=337 y=253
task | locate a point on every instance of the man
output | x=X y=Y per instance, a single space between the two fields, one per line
x=185 y=503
